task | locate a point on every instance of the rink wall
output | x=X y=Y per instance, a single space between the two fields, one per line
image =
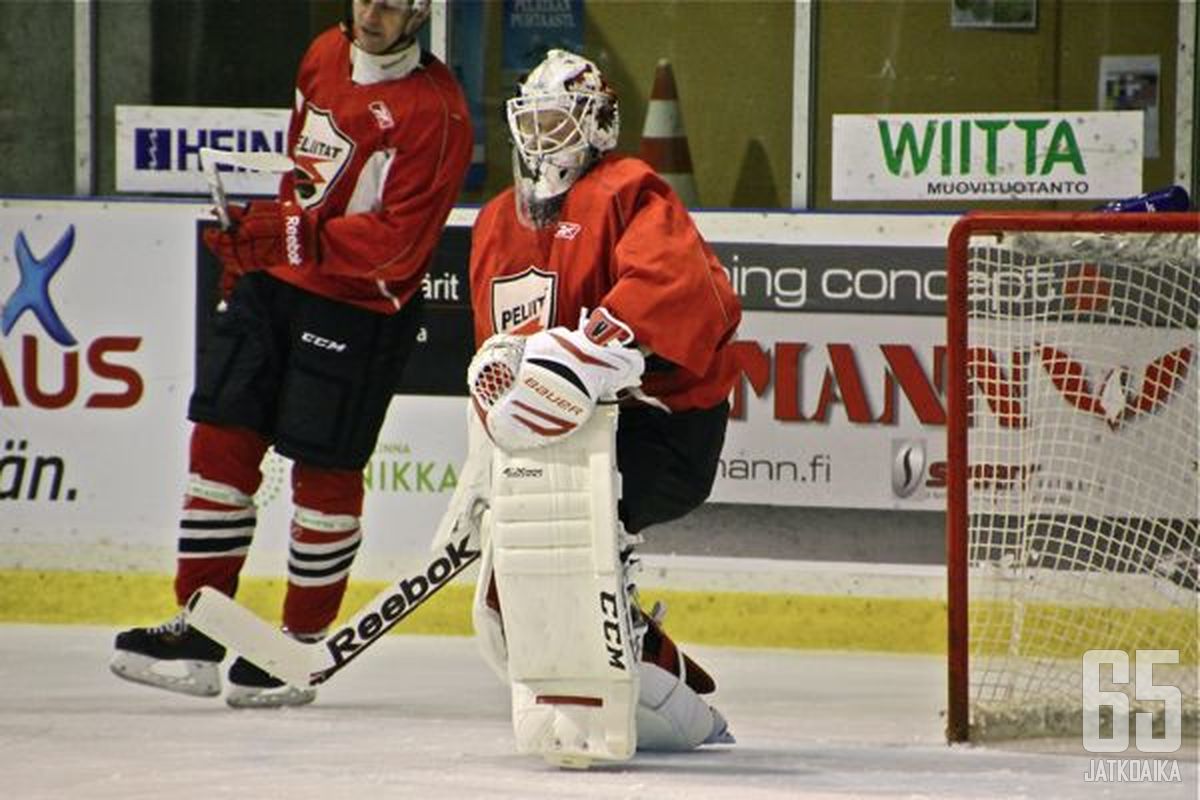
x=842 y=350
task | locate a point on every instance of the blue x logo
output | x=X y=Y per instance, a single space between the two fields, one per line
x=33 y=292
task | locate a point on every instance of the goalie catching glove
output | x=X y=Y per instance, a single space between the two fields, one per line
x=264 y=234
x=532 y=391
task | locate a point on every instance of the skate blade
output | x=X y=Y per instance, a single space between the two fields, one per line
x=282 y=697
x=196 y=678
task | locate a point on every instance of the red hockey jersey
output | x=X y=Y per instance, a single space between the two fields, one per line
x=624 y=241
x=378 y=168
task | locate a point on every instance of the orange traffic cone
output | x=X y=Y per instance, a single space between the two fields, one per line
x=664 y=144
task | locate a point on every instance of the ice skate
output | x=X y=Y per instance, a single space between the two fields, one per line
x=171 y=656
x=671 y=713
x=253 y=687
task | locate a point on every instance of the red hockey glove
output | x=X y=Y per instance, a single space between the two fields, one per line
x=263 y=234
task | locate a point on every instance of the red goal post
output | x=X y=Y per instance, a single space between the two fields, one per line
x=1087 y=273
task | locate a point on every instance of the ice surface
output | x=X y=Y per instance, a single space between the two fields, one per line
x=422 y=717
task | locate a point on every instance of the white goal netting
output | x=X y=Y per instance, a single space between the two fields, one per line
x=1082 y=477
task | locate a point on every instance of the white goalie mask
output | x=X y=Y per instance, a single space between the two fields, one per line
x=563 y=120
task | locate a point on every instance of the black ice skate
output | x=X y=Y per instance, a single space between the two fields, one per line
x=171 y=656
x=252 y=687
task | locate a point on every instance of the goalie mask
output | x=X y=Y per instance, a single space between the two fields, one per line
x=564 y=118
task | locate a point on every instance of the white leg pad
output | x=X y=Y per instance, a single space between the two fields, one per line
x=489 y=628
x=567 y=628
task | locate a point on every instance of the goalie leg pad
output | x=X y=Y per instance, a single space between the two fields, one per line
x=485 y=612
x=567 y=625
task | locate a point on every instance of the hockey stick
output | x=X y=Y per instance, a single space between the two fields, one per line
x=215 y=188
x=211 y=159
x=308 y=664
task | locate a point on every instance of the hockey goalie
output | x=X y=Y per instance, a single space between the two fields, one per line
x=598 y=409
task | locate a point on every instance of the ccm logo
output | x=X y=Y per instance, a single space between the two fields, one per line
x=322 y=342
x=613 y=643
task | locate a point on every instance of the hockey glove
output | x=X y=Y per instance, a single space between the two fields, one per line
x=264 y=234
x=531 y=392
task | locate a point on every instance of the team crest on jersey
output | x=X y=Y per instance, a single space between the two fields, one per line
x=523 y=302
x=321 y=154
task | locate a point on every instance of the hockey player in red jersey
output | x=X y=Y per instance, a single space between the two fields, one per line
x=591 y=271
x=587 y=230
x=323 y=298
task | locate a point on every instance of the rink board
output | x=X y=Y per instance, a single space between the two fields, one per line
x=129 y=288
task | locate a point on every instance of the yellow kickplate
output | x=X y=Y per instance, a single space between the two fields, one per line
x=744 y=619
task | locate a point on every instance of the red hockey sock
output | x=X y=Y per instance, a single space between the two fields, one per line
x=324 y=541
x=218 y=518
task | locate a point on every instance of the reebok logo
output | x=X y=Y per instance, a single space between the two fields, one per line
x=345 y=642
x=291 y=237
x=567 y=230
x=383 y=117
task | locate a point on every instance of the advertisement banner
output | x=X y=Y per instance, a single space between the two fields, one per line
x=1000 y=156
x=827 y=403
x=95 y=366
x=158 y=147
x=98 y=340
x=1071 y=417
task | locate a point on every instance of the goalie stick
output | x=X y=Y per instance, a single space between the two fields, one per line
x=211 y=159
x=309 y=664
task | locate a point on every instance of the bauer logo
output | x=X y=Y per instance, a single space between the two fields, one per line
x=908 y=466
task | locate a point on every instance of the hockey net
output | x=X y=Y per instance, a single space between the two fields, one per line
x=1072 y=448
